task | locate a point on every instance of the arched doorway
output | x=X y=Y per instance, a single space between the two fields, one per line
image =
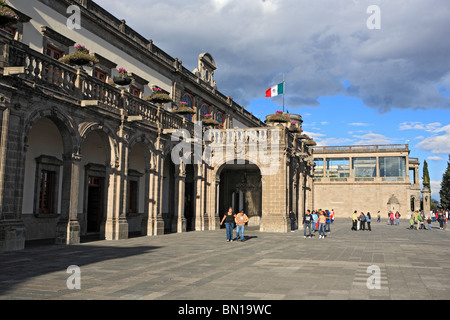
x=94 y=183
x=43 y=178
x=240 y=188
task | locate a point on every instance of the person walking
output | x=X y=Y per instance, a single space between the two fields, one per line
x=292 y=218
x=397 y=218
x=368 y=219
x=307 y=221
x=362 y=221
x=378 y=216
x=328 y=222
x=322 y=222
x=354 y=221
x=229 y=219
x=241 y=220
x=416 y=220
x=315 y=218
x=391 y=218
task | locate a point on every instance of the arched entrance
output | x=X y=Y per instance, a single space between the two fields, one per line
x=43 y=176
x=94 y=183
x=240 y=188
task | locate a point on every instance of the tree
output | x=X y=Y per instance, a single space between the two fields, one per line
x=426 y=175
x=445 y=187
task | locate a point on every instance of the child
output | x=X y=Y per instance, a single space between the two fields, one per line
x=411 y=223
x=429 y=223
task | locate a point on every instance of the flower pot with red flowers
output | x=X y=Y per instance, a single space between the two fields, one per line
x=278 y=116
x=183 y=109
x=7 y=16
x=208 y=121
x=159 y=96
x=80 y=57
x=310 y=142
x=122 y=78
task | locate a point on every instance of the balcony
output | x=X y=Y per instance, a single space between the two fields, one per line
x=76 y=86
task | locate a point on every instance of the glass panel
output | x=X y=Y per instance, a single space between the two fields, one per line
x=392 y=168
x=318 y=169
x=364 y=167
x=338 y=167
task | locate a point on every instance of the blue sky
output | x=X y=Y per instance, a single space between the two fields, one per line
x=352 y=84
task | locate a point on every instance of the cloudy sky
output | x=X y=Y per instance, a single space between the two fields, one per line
x=352 y=84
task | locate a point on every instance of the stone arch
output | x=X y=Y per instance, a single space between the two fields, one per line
x=239 y=185
x=49 y=138
x=108 y=136
x=393 y=204
x=62 y=122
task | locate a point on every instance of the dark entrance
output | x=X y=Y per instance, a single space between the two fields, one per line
x=94 y=204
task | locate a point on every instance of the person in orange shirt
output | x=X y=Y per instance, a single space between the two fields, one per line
x=241 y=220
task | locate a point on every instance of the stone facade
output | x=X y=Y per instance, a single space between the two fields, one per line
x=81 y=156
x=367 y=178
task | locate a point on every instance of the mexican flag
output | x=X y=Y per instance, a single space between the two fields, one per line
x=274 y=91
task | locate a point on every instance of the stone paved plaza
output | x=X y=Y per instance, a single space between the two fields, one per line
x=267 y=266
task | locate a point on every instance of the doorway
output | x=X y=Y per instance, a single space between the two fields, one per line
x=94 y=204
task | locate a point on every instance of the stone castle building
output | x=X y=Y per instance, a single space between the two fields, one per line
x=82 y=156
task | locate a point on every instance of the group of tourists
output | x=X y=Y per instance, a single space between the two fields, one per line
x=320 y=220
x=359 y=221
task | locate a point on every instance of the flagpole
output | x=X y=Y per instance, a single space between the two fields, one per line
x=284 y=89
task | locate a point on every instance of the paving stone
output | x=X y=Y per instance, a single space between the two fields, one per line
x=413 y=264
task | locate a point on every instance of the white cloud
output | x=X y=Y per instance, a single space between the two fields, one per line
x=334 y=141
x=430 y=127
x=319 y=45
x=438 y=144
x=359 y=124
x=435 y=158
x=372 y=139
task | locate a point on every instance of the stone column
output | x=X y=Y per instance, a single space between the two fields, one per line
x=12 y=168
x=149 y=209
x=426 y=197
x=68 y=226
x=179 y=221
x=199 y=197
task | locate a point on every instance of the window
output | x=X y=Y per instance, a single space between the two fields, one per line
x=364 y=168
x=47 y=185
x=190 y=102
x=204 y=110
x=135 y=91
x=219 y=118
x=50 y=75
x=46 y=191
x=100 y=75
x=338 y=167
x=53 y=52
x=392 y=168
x=318 y=169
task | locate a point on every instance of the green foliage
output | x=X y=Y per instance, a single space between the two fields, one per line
x=426 y=175
x=445 y=188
